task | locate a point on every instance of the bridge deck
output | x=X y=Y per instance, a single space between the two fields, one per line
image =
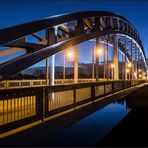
x=48 y=128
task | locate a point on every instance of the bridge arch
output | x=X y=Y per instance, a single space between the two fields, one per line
x=61 y=32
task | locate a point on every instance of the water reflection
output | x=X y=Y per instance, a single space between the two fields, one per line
x=134 y=127
x=90 y=130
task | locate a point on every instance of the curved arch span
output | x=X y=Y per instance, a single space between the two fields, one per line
x=88 y=25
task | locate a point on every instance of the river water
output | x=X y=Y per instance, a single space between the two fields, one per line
x=91 y=129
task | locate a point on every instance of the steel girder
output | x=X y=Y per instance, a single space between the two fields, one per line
x=86 y=25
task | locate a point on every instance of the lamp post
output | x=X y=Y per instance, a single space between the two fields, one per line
x=112 y=71
x=139 y=73
x=98 y=52
x=140 y=76
x=127 y=73
x=93 y=65
x=93 y=58
x=129 y=65
x=144 y=75
x=64 y=70
x=68 y=56
x=135 y=75
x=47 y=72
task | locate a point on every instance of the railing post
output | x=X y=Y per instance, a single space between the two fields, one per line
x=43 y=103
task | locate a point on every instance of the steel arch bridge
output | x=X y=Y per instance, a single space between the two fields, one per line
x=25 y=101
x=66 y=30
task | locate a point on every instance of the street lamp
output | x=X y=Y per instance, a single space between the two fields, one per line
x=129 y=65
x=135 y=74
x=140 y=76
x=69 y=56
x=144 y=77
x=99 y=50
x=139 y=70
x=112 y=65
x=127 y=72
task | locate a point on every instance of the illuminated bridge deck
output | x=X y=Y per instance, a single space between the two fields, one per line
x=32 y=94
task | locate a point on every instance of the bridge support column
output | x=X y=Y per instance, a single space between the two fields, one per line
x=125 y=68
x=76 y=65
x=116 y=69
x=122 y=66
x=51 y=39
x=138 y=66
x=97 y=27
x=135 y=62
x=132 y=65
x=107 y=64
x=52 y=69
x=47 y=72
x=97 y=59
x=104 y=59
x=93 y=66
x=64 y=67
x=125 y=60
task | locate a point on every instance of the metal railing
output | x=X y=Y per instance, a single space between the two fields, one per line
x=11 y=84
x=22 y=106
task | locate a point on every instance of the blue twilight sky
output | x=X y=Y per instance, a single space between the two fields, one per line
x=14 y=12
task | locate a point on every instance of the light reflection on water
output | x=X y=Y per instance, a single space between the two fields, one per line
x=90 y=130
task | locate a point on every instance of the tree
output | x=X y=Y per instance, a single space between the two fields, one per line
x=38 y=73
